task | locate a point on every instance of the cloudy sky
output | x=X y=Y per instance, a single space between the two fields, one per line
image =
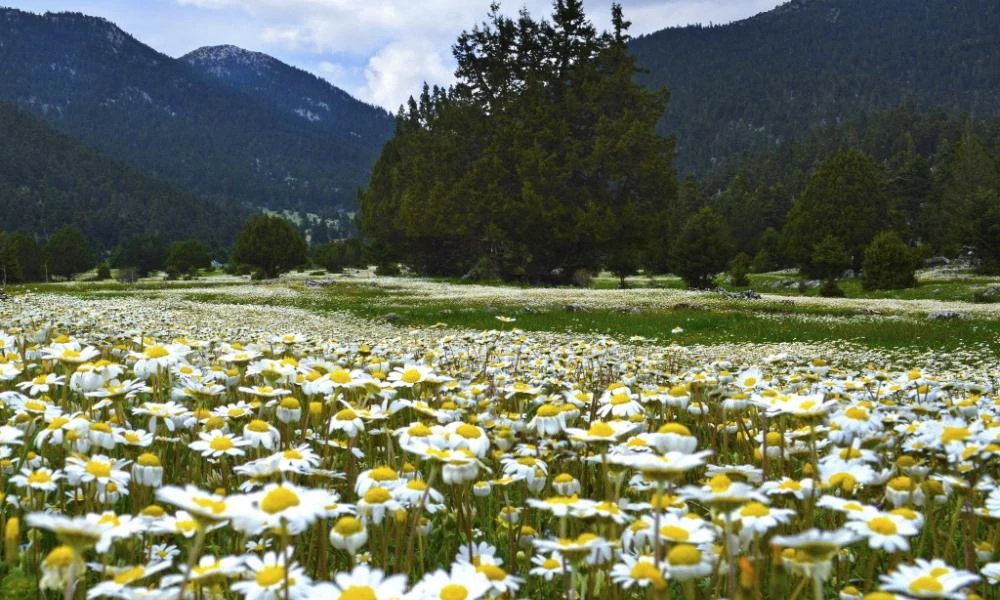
x=378 y=50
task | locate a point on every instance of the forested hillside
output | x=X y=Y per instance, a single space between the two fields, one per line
x=757 y=84
x=48 y=180
x=94 y=82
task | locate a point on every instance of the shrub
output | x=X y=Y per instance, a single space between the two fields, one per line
x=702 y=248
x=739 y=268
x=103 y=272
x=270 y=244
x=889 y=263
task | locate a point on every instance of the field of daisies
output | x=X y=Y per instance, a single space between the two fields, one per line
x=169 y=449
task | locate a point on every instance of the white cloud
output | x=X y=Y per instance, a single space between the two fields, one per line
x=399 y=70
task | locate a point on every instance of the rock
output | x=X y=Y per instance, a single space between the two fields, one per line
x=575 y=308
x=744 y=295
x=936 y=261
x=391 y=318
x=990 y=294
x=943 y=315
x=471 y=275
x=812 y=284
x=848 y=274
x=317 y=283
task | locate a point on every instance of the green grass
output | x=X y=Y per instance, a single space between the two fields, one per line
x=725 y=322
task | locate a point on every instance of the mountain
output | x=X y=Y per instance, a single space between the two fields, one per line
x=752 y=85
x=198 y=122
x=294 y=91
x=48 y=180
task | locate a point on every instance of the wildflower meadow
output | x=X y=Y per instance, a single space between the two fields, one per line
x=221 y=453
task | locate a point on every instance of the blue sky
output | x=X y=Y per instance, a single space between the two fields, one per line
x=378 y=50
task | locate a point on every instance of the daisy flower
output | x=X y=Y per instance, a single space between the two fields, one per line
x=272 y=579
x=217 y=443
x=361 y=582
x=929 y=579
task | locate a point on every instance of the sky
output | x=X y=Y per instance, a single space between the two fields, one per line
x=380 y=51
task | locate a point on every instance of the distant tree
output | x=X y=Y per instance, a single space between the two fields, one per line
x=846 y=198
x=270 y=244
x=739 y=268
x=103 y=271
x=28 y=255
x=828 y=261
x=10 y=269
x=702 y=248
x=985 y=236
x=68 y=252
x=337 y=255
x=142 y=254
x=187 y=256
x=889 y=263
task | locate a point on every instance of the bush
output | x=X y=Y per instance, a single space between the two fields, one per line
x=187 y=256
x=830 y=289
x=103 y=272
x=889 y=263
x=829 y=258
x=388 y=270
x=739 y=268
x=702 y=248
x=270 y=244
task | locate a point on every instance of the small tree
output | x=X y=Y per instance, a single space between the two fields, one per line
x=68 y=252
x=336 y=256
x=889 y=264
x=739 y=268
x=270 y=244
x=187 y=256
x=702 y=248
x=829 y=259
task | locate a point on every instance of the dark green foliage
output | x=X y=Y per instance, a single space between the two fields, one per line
x=889 y=263
x=336 y=256
x=48 y=180
x=187 y=256
x=761 y=83
x=142 y=253
x=103 y=272
x=932 y=165
x=67 y=252
x=270 y=244
x=543 y=158
x=739 y=269
x=986 y=230
x=702 y=248
x=846 y=198
x=215 y=125
x=829 y=258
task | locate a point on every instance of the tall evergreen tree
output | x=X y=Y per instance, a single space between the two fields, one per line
x=541 y=160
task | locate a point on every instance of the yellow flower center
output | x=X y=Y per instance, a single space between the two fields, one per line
x=548 y=410
x=674 y=428
x=290 y=403
x=954 y=434
x=216 y=506
x=149 y=460
x=684 y=555
x=551 y=563
x=384 y=474
x=600 y=429
x=844 y=481
x=129 y=575
x=60 y=557
x=98 y=468
x=347 y=526
x=39 y=477
x=221 y=443
x=926 y=584
x=279 y=499
x=156 y=352
x=346 y=415
x=492 y=572
x=340 y=376
x=675 y=533
x=719 y=483
x=257 y=426
x=358 y=592
x=454 y=591
x=755 y=509
x=647 y=571
x=269 y=576
x=882 y=525
x=901 y=484
x=377 y=495
x=413 y=376
x=469 y=432
x=856 y=413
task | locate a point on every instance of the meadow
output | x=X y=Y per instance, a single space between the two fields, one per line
x=358 y=437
